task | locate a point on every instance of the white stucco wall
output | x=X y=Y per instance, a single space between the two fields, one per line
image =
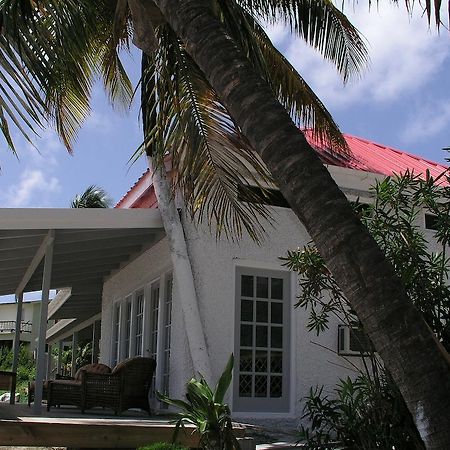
x=214 y=264
x=139 y=274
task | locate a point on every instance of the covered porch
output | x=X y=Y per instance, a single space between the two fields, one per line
x=72 y=251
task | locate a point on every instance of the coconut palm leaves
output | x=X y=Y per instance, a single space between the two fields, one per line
x=212 y=160
x=65 y=45
x=50 y=55
x=92 y=197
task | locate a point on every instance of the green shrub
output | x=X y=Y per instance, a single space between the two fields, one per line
x=26 y=369
x=162 y=446
x=205 y=408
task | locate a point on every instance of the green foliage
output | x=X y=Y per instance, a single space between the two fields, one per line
x=84 y=354
x=162 y=446
x=365 y=413
x=92 y=197
x=26 y=368
x=395 y=221
x=205 y=408
x=369 y=412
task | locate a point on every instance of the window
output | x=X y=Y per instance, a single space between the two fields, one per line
x=167 y=326
x=116 y=334
x=139 y=323
x=261 y=381
x=255 y=194
x=154 y=312
x=352 y=341
x=127 y=329
x=431 y=222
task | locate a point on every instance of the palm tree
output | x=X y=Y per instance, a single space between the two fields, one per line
x=92 y=197
x=418 y=364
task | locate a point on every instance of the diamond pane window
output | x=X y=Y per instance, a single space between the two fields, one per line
x=262 y=375
x=276 y=387
x=260 y=386
x=246 y=361
x=245 y=386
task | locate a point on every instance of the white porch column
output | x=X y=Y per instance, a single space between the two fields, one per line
x=41 y=361
x=73 y=368
x=182 y=272
x=16 y=345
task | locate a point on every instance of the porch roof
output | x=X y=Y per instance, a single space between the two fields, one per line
x=88 y=245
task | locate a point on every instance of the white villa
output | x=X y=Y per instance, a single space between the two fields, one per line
x=115 y=268
x=28 y=331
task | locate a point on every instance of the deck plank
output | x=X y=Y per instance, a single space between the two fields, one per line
x=89 y=433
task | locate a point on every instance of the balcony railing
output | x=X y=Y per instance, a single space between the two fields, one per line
x=9 y=326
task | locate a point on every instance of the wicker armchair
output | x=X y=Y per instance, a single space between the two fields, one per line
x=68 y=392
x=126 y=387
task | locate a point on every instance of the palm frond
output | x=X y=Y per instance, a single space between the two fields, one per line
x=92 y=197
x=53 y=52
x=210 y=156
x=305 y=108
x=322 y=25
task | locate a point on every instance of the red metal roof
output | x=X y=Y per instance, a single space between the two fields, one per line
x=364 y=155
x=372 y=157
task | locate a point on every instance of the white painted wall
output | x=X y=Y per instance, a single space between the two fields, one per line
x=137 y=275
x=214 y=264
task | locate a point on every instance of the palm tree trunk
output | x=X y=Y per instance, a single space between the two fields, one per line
x=182 y=272
x=182 y=268
x=418 y=364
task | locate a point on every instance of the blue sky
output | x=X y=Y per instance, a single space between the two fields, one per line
x=402 y=100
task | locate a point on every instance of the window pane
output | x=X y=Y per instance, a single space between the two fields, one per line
x=247 y=311
x=246 y=361
x=276 y=362
x=246 y=335
x=262 y=287
x=276 y=387
x=276 y=312
x=247 y=286
x=260 y=361
x=261 y=336
x=276 y=291
x=262 y=311
x=245 y=385
x=260 y=386
x=276 y=339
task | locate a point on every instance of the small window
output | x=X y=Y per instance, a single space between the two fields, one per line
x=352 y=341
x=431 y=222
x=255 y=194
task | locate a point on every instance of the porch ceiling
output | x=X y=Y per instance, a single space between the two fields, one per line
x=89 y=245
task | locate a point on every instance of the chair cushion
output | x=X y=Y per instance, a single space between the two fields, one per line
x=92 y=368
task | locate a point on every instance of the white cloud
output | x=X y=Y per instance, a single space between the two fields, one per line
x=100 y=123
x=432 y=118
x=34 y=188
x=404 y=54
x=38 y=181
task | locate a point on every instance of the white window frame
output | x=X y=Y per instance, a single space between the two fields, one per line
x=268 y=405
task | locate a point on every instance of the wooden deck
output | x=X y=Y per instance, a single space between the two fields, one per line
x=19 y=427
